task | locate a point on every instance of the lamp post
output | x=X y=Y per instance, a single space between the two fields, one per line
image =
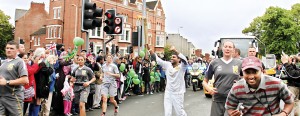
x=76 y=13
x=180 y=39
x=179 y=28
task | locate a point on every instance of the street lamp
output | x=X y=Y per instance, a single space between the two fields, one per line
x=179 y=28
x=76 y=13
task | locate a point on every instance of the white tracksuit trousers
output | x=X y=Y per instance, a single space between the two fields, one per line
x=176 y=101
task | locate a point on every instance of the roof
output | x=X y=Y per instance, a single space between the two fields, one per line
x=132 y=1
x=41 y=31
x=151 y=4
x=19 y=13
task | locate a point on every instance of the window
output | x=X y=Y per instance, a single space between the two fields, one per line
x=149 y=39
x=159 y=41
x=123 y=51
x=56 y=12
x=37 y=41
x=126 y=37
x=97 y=48
x=140 y=6
x=54 y=31
x=158 y=12
x=125 y=2
x=149 y=25
x=158 y=26
x=96 y=33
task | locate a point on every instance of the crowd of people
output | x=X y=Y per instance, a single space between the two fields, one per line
x=50 y=80
x=83 y=83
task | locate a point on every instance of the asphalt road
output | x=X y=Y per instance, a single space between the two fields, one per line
x=195 y=104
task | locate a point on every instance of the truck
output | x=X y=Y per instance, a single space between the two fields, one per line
x=240 y=42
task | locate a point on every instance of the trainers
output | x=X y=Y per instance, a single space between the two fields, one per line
x=151 y=93
x=147 y=92
x=117 y=109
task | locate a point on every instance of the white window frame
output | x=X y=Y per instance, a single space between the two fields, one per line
x=123 y=38
x=158 y=12
x=158 y=26
x=95 y=48
x=149 y=25
x=123 y=48
x=96 y=32
x=140 y=6
x=159 y=38
x=149 y=39
x=54 y=31
x=37 y=41
x=125 y=2
x=56 y=12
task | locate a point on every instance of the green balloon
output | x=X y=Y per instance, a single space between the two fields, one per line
x=142 y=54
x=152 y=74
x=131 y=72
x=152 y=79
x=135 y=76
x=78 y=41
x=122 y=67
x=136 y=81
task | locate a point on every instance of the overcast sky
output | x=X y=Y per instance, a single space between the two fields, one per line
x=203 y=21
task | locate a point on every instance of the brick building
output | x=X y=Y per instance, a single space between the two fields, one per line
x=62 y=24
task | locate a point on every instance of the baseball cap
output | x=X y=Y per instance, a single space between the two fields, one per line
x=251 y=62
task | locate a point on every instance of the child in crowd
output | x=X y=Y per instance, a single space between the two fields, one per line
x=157 y=79
x=68 y=94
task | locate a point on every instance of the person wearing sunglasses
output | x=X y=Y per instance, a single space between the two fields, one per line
x=258 y=94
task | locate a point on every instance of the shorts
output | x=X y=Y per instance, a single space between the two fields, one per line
x=11 y=106
x=81 y=96
x=109 y=89
x=218 y=109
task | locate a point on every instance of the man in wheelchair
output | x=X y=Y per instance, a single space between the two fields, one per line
x=291 y=73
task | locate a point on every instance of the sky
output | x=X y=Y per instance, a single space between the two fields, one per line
x=202 y=21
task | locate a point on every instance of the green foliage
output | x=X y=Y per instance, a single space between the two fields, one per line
x=167 y=52
x=278 y=29
x=6 y=33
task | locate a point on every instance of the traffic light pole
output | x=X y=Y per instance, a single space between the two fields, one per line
x=104 y=44
x=87 y=42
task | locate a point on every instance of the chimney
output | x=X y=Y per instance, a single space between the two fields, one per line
x=37 y=6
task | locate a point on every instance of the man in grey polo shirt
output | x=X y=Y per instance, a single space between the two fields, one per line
x=13 y=74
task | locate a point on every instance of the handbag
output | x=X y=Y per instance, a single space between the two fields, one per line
x=29 y=92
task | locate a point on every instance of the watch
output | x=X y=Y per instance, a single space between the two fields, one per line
x=7 y=82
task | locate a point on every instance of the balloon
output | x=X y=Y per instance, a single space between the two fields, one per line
x=142 y=54
x=152 y=74
x=135 y=76
x=122 y=67
x=78 y=41
x=131 y=72
x=152 y=79
x=136 y=81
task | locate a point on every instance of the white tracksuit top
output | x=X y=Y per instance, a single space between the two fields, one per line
x=175 y=75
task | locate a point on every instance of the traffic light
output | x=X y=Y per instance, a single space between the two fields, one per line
x=114 y=24
x=131 y=49
x=91 y=15
x=110 y=19
x=213 y=53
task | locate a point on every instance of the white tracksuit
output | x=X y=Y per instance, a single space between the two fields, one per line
x=175 y=88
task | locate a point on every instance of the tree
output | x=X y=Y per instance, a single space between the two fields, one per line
x=6 y=33
x=167 y=52
x=277 y=29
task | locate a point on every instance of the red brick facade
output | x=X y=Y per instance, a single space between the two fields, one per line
x=61 y=25
x=32 y=21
